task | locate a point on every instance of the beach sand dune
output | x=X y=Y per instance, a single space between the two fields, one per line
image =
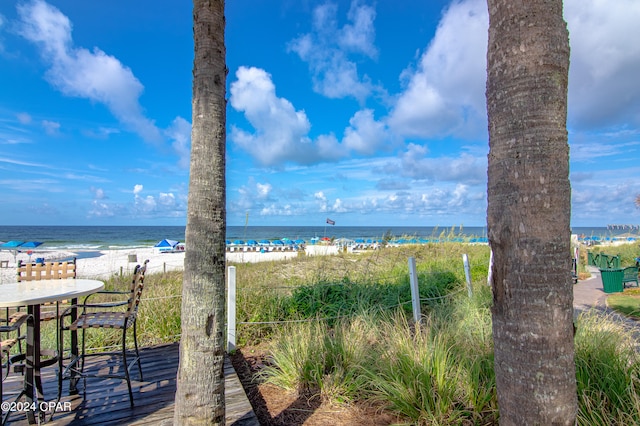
x=106 y=263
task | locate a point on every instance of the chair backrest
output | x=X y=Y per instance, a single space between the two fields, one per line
x=46 y=271
x=137 y=285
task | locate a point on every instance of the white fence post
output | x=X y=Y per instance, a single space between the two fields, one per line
x=490 y=274
x=467 y=274
x=415 y=293
x=231 y=309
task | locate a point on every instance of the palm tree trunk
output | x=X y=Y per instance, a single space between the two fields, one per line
x=200 y=382
x=529 y=210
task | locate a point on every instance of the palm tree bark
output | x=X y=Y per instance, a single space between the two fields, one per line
x=529 y=209
x=200 y=382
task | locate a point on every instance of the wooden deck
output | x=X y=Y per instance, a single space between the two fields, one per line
x=106 y=401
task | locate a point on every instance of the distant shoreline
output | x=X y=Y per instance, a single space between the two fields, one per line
x=101 y=264
x=99 y=238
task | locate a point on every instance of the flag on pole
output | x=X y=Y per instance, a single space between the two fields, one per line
x=331 y=222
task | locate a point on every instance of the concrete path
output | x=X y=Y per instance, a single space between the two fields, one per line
x=589 y=295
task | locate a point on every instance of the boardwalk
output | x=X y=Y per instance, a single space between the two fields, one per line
x=106 y=401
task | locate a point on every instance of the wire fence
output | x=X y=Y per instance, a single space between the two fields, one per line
x=323 y=289
x=383 y=308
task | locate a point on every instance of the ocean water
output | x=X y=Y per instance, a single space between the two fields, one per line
x=91 y=238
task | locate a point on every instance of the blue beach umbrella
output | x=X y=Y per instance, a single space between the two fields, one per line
x=238 y=242
x=12 y=244
x=31 y=244
x=264 y=242
x=300 y=241
x=252 y=243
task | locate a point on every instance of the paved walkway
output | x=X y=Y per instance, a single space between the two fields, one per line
x=589 y=295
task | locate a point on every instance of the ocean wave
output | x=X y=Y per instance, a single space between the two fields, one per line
x=80 y=247
x=128 y=247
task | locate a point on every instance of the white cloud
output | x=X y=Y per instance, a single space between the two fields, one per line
x=51 y=128
x=81 y=73
x=252 y=195
x=359 y=36
x=281 y=131
x=605 y=62
x=326 y=50
x=263 y=190
x=180 y=134
x=98 y=193
x=445 y=94
x=321 y=201
x=100 y=132
x=2 y=24
x=100 y=209
x=329 y=148
x=365 y=135
x=93 y=75
x=338 y=206
x=167 y=199
x=145 y=205
x=23 y=118
x=415 y=163
x=164 y=204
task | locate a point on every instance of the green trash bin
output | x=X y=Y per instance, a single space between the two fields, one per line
x=612 y=280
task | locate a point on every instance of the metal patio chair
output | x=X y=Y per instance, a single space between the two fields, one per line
x=120 y=315
x=9 y=361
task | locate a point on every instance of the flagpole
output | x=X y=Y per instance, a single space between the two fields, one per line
x=246 y=222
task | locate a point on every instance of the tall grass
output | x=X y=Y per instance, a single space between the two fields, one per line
x=627 y=252
x=356 y=342
x=607 y=372
x=433 y=373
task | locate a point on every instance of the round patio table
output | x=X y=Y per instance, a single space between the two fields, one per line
x=32 y=294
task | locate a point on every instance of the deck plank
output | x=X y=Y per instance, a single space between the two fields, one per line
x=106 y=401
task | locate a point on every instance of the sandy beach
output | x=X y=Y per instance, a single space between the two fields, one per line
x=107 y=263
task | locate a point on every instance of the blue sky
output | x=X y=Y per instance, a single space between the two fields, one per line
x=369 y=113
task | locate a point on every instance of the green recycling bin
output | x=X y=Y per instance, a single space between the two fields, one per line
x=612 y=280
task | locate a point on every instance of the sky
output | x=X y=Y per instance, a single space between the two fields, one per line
x=366 y=112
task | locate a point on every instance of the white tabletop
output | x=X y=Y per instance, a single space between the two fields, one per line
x=43 y=291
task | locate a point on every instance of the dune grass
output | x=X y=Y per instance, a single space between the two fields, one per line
x=356 y=341
x=607 y=372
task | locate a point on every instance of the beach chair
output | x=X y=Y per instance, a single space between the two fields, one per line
x=48 y=271
x=12 y=336
x=118 y=315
